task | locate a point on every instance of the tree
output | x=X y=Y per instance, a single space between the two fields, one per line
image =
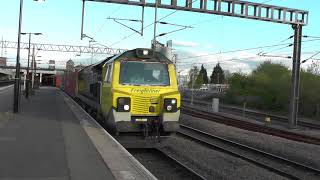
x=217 y=76
x=194 y=78
x=204 y=75
x=199 y=81
x=309 y=94
x=314 y=68
x=269 y=82
x=239 y=84
x=227 y=75
x=268 y=87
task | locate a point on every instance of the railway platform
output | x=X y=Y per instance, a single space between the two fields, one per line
x=52 y=138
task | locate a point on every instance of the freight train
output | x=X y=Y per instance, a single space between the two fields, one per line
x=135 y=91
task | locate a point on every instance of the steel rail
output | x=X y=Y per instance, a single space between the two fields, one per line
x=181 y=164
x=5 y=83
x=260 y=114
x=273 y=117
x=230 y=121
x=309 y=125
x=274 y=158
x=170 y=158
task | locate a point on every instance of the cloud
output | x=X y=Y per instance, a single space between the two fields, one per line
x=243 y=61
x=184 y=44
x=208 y=46
x=60 y=57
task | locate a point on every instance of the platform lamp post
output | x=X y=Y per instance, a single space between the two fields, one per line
x=34 y=70
x=28 y=80
x=17 y=76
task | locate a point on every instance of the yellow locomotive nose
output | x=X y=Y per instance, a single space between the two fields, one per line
x=145 y=105
x=133 y=88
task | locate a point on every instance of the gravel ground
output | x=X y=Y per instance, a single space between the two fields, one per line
x=304 y=153
x=213 y=164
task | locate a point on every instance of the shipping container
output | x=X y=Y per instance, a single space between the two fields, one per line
x=70 y=83
x=58 y=81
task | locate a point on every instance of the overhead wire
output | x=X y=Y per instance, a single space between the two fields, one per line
x=307 y=52
x=245 y=49
x=274 y=50
x=310 y=57
x=101 y=27
x=290 y=45
x=265 y=1
x=243 y=60
x=128 y=36
x=285 y=53
x=105 y=21
x=220 y=61
x=219 y=52
x=196 y=23
x=316 y=37
x=305 y=47
x=125 y=37
x=204 y=21
x=287 y=38
x=230 y=51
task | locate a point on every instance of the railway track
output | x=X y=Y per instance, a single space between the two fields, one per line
x=249 y=126
x=309 y=125
x=6 y=83
x=164 y=166
x=262 y=115
x=271 y=162
x=257 y=115
x=186 y=167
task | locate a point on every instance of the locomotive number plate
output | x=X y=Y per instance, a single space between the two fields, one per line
x=141 y=120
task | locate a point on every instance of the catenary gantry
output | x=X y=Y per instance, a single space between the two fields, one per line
x=234 y=8
x=240 y=9
x=62 y=48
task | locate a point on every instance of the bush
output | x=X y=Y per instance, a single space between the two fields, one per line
x=268 y=88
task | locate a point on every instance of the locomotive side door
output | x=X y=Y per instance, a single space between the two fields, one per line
x=106 y=95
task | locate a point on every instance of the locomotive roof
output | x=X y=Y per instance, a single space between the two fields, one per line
x=97 y=65
x=155 y=57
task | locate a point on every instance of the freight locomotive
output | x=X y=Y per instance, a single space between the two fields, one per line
x=135 y=91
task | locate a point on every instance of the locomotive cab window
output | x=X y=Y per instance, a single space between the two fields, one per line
x=144 y=73
x=108 y=74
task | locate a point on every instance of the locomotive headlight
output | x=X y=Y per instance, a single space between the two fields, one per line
x=145 y=52
x=170 y=105
x=126 y=107
x=123 y=104
x=173 y=101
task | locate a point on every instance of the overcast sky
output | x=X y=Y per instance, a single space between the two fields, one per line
x=60 y=20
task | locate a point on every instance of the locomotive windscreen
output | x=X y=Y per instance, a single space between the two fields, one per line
x=144 y=73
